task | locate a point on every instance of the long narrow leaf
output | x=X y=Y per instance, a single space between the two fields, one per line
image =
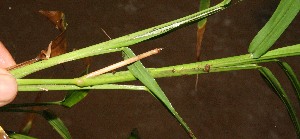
x=127 y=40
x=19 y=136
x=282 y=95
x=140 y=72
x=280 y=20
x=227 y=64
x=204 y=4
x=75 y=87
x=57 y=124
x=52 y=119
x=292 y=76
x=73 y=97
x=18 y=105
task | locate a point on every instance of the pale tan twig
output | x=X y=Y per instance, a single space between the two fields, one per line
x=123 y=63
x=105 y=33
x=48 y=52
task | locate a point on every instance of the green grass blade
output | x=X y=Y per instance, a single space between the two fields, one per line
x=140 y=72
x=292 y=76
x=123 y=76
x=204 y=4
x=3 y=109
x=271 y=79
x=57 y=124
x=52 y=119
x=217 y=65
x=19 y=136
x=47 y=87
x=280 y=20
x=18 y=105
x=127 y=40
x=73 y=97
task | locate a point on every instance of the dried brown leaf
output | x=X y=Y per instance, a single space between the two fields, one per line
x=59 y=45
x=88 y=61
x=200 y=33
x=57 y=18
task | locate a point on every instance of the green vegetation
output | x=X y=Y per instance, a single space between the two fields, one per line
x=78 y=87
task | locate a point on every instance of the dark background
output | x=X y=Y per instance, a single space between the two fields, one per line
x=235 y=104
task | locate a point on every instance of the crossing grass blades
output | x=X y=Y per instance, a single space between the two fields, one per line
x=78 y=87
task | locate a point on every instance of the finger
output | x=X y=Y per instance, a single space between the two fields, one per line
x=6 y=59
x=8 y=87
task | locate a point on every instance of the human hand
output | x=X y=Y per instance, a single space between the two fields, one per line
x=8 y=84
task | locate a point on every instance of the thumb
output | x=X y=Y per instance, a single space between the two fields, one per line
x=5 y=58
x=8 y=87
x=8 y=84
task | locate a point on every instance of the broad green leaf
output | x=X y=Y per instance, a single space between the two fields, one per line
x=19 y=136
x=292 y=76
x=280 y=20
x=57 y=124
x=271 y=79
x=141 y=73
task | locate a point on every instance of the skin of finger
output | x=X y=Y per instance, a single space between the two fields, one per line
x=8 y=87
x=8 y=84
x=6 y=59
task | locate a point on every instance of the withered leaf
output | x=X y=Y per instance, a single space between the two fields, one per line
x=57 y=46
x=57 y=18
x=200 y=32
x=87 y=61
